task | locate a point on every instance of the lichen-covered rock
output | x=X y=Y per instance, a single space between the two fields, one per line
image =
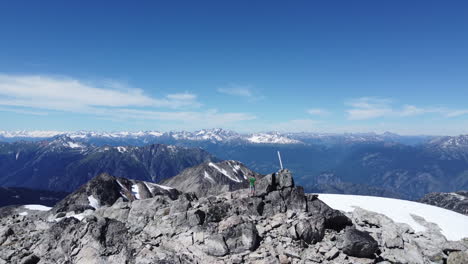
x=458 y=257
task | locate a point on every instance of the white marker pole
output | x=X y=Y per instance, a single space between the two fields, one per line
x=279 y=157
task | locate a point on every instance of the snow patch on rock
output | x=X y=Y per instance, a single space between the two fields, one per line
x=74 y=145
x=122 y=149
x=37 y=207
x=454 y=226
x=93 y=202
x=207 y=176
x=136 y=191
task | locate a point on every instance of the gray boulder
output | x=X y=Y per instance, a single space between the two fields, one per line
x=265 y=185
x=358 y=244
x=215 y=246
x=284 y=179
x=310 y=232
x=243 y=237
x=334 y=219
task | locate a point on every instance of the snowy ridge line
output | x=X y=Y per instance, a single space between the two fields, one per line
x=458 y=196
x=224 y=172
x=163 y=186
x=207 y=175
x=213 y=135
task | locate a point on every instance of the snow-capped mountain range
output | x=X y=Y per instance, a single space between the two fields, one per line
x=219 y=135
x=211 y=135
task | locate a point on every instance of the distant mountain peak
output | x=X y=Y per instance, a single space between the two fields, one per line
x=64 y=141
x=450 y=142
x=271 y=138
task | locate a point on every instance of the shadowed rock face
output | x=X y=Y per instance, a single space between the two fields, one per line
x=280 y=224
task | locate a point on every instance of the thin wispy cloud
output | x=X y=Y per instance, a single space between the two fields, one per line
x=22 y=111
x=209 y=116
x=368 y=108
x=318 y=112
x=245 y=91
x=455 y=113
x=72 y=93
x=115 y=101
x=372 y=107
x=294 y=125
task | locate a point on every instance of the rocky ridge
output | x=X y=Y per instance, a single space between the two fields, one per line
x=280 y=224
x=64 y=164
x=456 y=201
x=213 y=178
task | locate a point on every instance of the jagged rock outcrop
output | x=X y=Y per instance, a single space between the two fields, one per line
x=104 y=190
x=456 y=201
x=280 y=224
x=213 y=178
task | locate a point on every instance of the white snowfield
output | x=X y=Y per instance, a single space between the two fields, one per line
x=454 y=226
x=37 y=207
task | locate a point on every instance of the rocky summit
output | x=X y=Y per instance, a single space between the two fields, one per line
x=110 y=220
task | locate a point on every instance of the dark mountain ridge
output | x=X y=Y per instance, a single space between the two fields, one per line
x=455 y=201
x=63 y=164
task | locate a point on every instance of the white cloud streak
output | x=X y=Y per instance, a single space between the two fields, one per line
x=22 y=111
x=318 y=112
x=245 y=91
x=115 y=101
x=70 y=93
x=370 y=107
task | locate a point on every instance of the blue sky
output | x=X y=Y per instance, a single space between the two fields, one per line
x=320 y=66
